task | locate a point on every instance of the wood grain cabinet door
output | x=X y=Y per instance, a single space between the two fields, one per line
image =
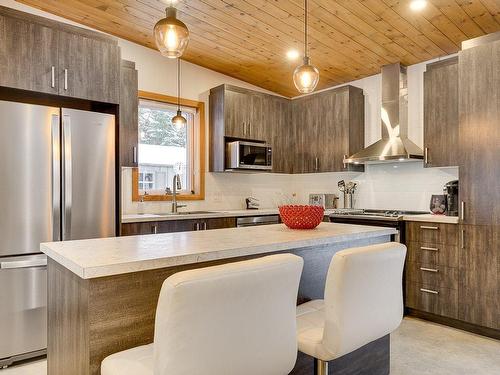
x=88 y=68
x=479 y=275
x=479 y=134
x=129 y=121
x=441 y=114
x=28 y=55
x=236 y=114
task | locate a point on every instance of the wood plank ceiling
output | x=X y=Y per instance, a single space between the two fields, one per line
x=248 y=39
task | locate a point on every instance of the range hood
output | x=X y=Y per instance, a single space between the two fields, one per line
x=394 y=145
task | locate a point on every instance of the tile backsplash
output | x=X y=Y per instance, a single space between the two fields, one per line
x=405 y=186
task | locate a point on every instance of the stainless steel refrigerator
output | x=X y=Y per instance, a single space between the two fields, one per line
x=57 y=182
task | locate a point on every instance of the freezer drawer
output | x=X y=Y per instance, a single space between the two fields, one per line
x=23 y=305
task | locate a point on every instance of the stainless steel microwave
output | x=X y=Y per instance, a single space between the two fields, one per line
x=248 y=155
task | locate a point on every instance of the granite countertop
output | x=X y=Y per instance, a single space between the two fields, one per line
x=118 y=255
x=432 y=218
x=137 y=218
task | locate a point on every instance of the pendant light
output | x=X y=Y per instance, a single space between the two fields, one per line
x=171 y=35
x=306 y=76
x=178 y=120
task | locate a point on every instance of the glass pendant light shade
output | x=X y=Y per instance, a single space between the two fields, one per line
x=306 y=77
x=171 y=35
x=178 y=120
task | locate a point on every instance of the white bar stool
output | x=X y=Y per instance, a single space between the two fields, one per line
x=363 y=302
x=237 y=318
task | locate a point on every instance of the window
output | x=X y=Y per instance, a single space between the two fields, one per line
x=165 y=150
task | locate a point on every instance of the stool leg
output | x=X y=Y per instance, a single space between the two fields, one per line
x=320 y=367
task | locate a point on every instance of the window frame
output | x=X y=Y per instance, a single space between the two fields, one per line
x=198 y=169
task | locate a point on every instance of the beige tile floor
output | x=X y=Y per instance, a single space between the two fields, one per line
x=417 y=348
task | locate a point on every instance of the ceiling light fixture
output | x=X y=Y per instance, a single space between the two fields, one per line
x=179 y=120
x=418 y=5
x=306 y=76
x=293 y=54
x=171 y=35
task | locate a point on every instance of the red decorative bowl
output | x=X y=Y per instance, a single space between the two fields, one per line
x=302 y=217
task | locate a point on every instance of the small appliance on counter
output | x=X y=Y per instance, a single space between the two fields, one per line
x=348 y=190
x=450 y=191
x=252 y=203
x=325 y=200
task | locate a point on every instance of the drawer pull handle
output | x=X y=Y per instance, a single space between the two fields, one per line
x=429 y=291
x=428 y=227
x=428 y=269
x=429 y=248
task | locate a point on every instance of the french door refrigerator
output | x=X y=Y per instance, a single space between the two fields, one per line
x=57 y=182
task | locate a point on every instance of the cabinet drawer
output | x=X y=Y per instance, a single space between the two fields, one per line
x=438 y=276
x=433 y=254
x=439 y=301
x=432 y=233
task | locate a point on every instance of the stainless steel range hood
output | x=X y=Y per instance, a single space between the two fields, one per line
x=394 y=145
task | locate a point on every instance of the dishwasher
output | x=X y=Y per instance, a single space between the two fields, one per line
x=251 y=221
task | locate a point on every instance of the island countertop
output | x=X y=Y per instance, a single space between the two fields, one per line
x=118 y=255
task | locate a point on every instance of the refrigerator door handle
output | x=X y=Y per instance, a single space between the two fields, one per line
x=23 y=264
x=56 y=179
x=67 y=178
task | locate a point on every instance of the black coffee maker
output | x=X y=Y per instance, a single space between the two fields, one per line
x=450 y=190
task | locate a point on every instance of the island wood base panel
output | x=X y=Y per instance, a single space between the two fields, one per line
x=89 y=319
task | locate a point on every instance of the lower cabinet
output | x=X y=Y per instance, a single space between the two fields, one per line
x=479 y=280
x=171 y=226
x=454 y=271
x=431 y=270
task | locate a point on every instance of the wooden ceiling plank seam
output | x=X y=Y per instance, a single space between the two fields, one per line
x=342 y=64
x=337 y=25
x=295 y=25
x=493 y=7
x=369 y=31
x=403 y=26
x=424 y=26
x=481 y=16
x=457 y=15
x=392 y=32
x=318 y=40
x=444 y=24
x=384 y=46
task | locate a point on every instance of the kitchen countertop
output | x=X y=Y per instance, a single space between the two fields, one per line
x=118 y=255
x=137 y=218
x=432 y=218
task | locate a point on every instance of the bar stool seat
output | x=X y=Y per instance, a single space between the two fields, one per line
x=237 y=318
x=363 y=302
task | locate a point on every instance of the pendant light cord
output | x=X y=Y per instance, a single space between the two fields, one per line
x=178 y=84
x=305 y=28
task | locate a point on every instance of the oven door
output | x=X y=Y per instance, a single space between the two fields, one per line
x=249 y=155
x=398 y=225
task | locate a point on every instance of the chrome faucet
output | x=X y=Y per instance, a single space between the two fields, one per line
x=176 y=183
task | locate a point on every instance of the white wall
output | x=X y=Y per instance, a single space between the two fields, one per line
x=401 y=186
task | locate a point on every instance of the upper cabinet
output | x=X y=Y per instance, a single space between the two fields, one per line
x=310 y=134
x=479 y=134
x=28 y=54
x=41 y=55
x=441 y=113
x=129 y=117
x=328 y=126
x=89 y=67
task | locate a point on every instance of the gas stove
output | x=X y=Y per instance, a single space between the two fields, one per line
x=391 y=215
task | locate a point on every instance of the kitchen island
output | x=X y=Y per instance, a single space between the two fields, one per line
x=102 y=293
